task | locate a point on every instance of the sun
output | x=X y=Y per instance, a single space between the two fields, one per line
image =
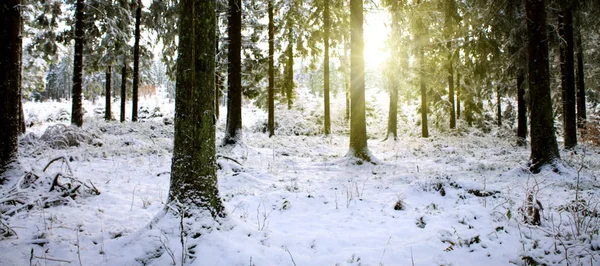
x=376 y=33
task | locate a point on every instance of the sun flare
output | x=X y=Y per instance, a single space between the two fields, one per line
x=376 y=32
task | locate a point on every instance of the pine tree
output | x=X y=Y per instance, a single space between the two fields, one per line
x=326 y=104
x=271 y=119
x=107 y=95
x=521 y=109
x=579 y=79
x=358 y=129
x=233 y=132
x=567 y=68
x=449 y=25
x=136 y=62
x=194 y=167
x=10 y=82
x=77 y=107
x=421 y=40
x=123 y=90
x=544 y=149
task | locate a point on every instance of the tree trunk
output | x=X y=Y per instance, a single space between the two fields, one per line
x=347 y=80
x=448 y=33
x=458 y=94
x=123 y=90
x=289 y=78
x=77 y=108
x=420 y=38
x=568 y=78
x=327 y=118
x=218 y=78
x=233 y=132
x=358 y=129
x=498 y=106
x=544 y=149
x=10 y=83
x=271 y=121
x=22 y=126
x=521 y=109
x=394 y=82
x=194 y=168
x=393 y=113
x=580 y=86
x=136 y=63
x=108 y=97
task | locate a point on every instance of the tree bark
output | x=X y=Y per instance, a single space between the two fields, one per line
x=194 y=168
x=498 y=106
x=271 y=119
x=123 y=90
x=458 y=94
x=289 y=78
x=136 y=63
x=327 y=118
x=449 y=23
x=568 y=78
x=544 y=148
x=233 y=132
x=420 y=38
x=10 y=82
x=108 y=96
x=580 y=86
x=77 y=108
x=218 y=77
x=521 y=109
x=358 y=129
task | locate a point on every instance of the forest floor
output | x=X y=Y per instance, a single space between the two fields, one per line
x=457 y=198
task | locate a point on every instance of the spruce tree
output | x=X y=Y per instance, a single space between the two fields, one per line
x=544 y=149
x=233 y=132
x=77 y=107
x=194 y=166
x=358 y=129
x=10 y=82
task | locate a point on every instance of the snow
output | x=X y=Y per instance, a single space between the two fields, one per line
x=297 y=200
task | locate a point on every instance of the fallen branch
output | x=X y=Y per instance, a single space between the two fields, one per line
x=65 y=161
x=228 y=158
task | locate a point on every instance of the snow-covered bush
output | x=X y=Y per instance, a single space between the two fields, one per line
x=61 y=136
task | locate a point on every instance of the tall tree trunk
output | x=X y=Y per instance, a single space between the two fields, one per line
x=458 y=94
x=194 y=165
x=77 y=108
x=289 y=78
x=271 y=120
x=421 y=62
x=22 y=126
x=233 y=132
x=358 y=128
x=10 y=82
x=580 y=86
x=218 y=77
x=448 y=32
x=327 y=118
x=544 y=149
x=347 y=80
x=498 y=106
x=521 y=109
x=451 y=88
x=568 y=78
x=123 y=90
x=108 y=97
x=393 y=113
x=393 y=82
x=136 y=63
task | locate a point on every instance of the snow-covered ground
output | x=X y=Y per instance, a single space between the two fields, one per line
x=457 y=198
